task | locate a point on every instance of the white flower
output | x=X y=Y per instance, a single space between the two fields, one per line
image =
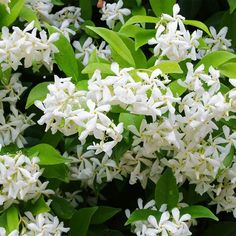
x=113 y=12
x=43 y=224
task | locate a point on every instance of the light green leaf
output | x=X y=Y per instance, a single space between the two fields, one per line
x=232 y=5
x=65 y=58
x=176 y=88
x=80 y=221
x=6 y=18
x=47 y=154
x=229 y=158
x=39 y=92
x=141 y=19
x=198 y=24
x=29 y=15
x=12 y=218
x=116 y=43
x=198 y=212
x=142 y=215
x=103 y=67
x=103 y=214
x=215 y=59
x=168 y=67
x=162 y=6
x=130 y=119
x=166 y=191
x=228 y=69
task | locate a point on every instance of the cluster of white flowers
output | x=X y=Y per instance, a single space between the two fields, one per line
x=13 y=125
x=174 y=41
x=24 y=44
x=71 y=111
x=114 y=12
x=5 y=3
x=44 y=224
x=67 y=20
x=169 y=222
x=19 y=179
x=84 y=52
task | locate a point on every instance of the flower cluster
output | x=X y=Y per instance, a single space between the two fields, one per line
x=19 y=179
x=24 y=44
x=113 y=12
x=12 y=125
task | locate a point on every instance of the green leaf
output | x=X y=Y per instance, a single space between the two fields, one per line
x=65 y=58
x=176 y=88
x=47 y=154
x=86 y=9
x=198 y=212
x=6 y=18
x=198 y=24
x=80 y=221
x=52 y=139
x=130 y=119
x=142 y=37
x=29 y=15
x=59 y=172
x=142 y=215
x=62 y=208
x=103 y=67
x=215 y=59
x=103 y=214
x=232 y=5
x=166 y=191
x=141 y=19
x=162 y=6
x=168 y=67
x=58 y=2
x=12 y=218
x=38 y=207
x=229 y=158
x=116 y=43
x=39 y=92
x=228 y=69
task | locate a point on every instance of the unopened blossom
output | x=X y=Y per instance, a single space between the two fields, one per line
x=112 y=12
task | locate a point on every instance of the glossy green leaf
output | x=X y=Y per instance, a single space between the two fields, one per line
x=162 y=6
x=47 y=154
x=229 y=158
x=166 y=191
x=142 y=38
x=116 y=43
x=176 y=88
x=6 y=18
x=198 y=212
x=103 y=67
x=62 y=208
x=38 y=207
x=141 y=19
x=39 y=92
x=142 y=215
x=130 y=119
x=198 y=24
x=228 y=69
x=103 y=214
x=65 y=58
x=215 y=59
x=80 y=221
x=12 y=216
x=232 y=5
x=168 y=67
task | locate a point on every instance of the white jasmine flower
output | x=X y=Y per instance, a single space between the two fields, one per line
x=113 y=12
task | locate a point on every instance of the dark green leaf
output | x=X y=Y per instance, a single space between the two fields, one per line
x=232 y=5
x=166 y=191
x=59 y=172
x=162 y=6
